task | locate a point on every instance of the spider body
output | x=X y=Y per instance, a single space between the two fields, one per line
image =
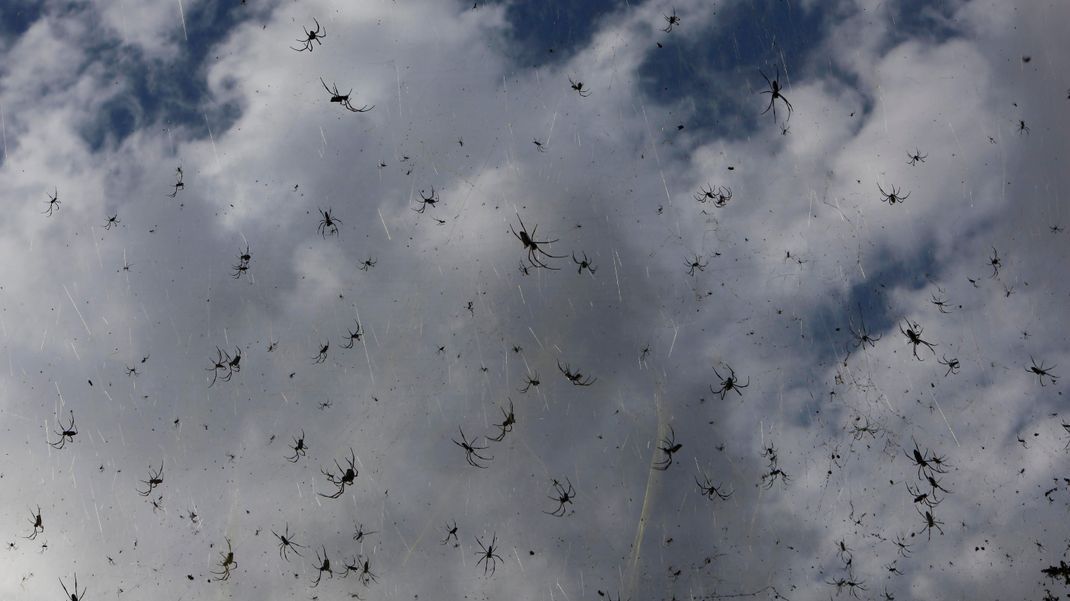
x=487 y=556
x=730 y=383
x=711 y=490
x=53 y=203
x=343 y=478
x=316 y=35
x=563 y=495
x=584 y=264
x=226 y=564
x=532 y=246
x=894 y=197
x=66 y=433
x=672 y=21
x=1041 y=372
x=38 y=524
x=299 y=448
x=429 y=200
x=670 y=447
x=287 y=544
x=343 y=99
x=913 y=334
x=509 y=419
x=578 y=86
x=328 y=224
x=775 y=92
x=471 y=450
x=575 y=378
x=155 y=479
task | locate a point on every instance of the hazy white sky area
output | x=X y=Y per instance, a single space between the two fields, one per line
x=917 y=186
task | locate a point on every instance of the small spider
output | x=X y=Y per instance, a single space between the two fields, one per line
x=345 y=477
x=155 y=479
x=243 y=263
x=367 y=264
x=226 y=563
x=471 y=450
x=940 y=302
x=584 y=264
x=451 y=533
x=66 y=433
x=951 y=364
x=774 y=92
x=179 y=185
x=38 y=524
x=893 y=197
x=577 y=378
x=532 y=245
x=916 y=158
x=328 y=224
x=927 y=499
x=509 y=419
x=287 y=544
x=852 y=586
x=669 y=447
x=299 y=448
x=315 y=35
x=930 y=523
x=487 y=556
x=913 y=334
x=529 y=381
x=711 y=490
x=427 y=200
x=862 y=337
x=343 y=99
x=995 y=263
x=843 y=552
x=695 y=263
x=112 y=221
x=321 y=356
x=53 y=203
x=860 y=431
x=75 y=596
x=360 y=534
x=538 y=145
x=672 y=21
x=354 y=336
x=578 y=86
x=728 y=384
x=1040 y=371
x=564 y=495
x=1022 y=128
x=324 y=566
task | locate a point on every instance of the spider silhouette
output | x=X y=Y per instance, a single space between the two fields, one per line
x=927 y=463
x=578 y=86
x=507 y=423
x=916 y=158
x=853 y=586
x=112 y=221
x=226 y=564
x=345 y=477
x=930 y=523
x=1040 y=371
x=38 y=524
x=584 y=264
x=315 y=35
x=1022 y=128
x=75 y=596
x=66 y=433
x=324 y=566
x=774 y=92
x=729 y=384
x=893 y=197
x=487 y=556
x=951 y=364
x=155 y=479
x=533 y=246
x=576 y=378
x=451 y=533
x=179 y=185
x=321 y=356
x=861 y=336
x=354 y=336
x=343 y=99
x=362 y=566
x=563 y=495
x=669 y=446
x=913 y=334
x=719 y=195
x=427 y=200
x=53 y=203
x=299 y=448
x=328 y=224
x=672 y=21
x=995 y=263
x=538 y=145
x=695 y=263
x=711 y=490
x=471 y=450
x=287 y=544
x=367 y=264
x=360 y=534
x=529 y=381
x=927 y=499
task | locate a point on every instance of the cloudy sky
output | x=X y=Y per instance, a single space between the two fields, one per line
x=118 y=299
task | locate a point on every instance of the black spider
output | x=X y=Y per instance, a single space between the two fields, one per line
x=728 y=384
x=324 y=566
x=362 y=566
x=53 y=203
x=862 y=337
x=354 y=336
x=321 y=356
x=345 y=477
x=774 y=92
x=563 y=495
x=315 y=35
x=940 y=302
x=155 y=479
x=913 y=334
x=529 y=381
x=367 y=264
x=299 y=448
x=578 y=86
x=584 y=264
x=427 y=200
x=112 y=221
x=487 y=556
x=672 y=20
x=38 y=524
x=360 y=534
x=930 y=523
x=179 y=185
x=538 y=145
x=916 y=158
x=711 y=490
x=669 y=446
x=243 y=263
x=508 y=420
x=695 y=263
x=1040 y=371
x=577 y=378
x=951 y=364
x=1022 y=128
x=287 y=544
x=928 y=464
x=451 y=532
x=471 y=450
x=343 y=99
x=328 y=224
x=66 y=433
x=893 y=197
x=75 y=596
x=226 y=563
x=532 y=245
x=995 y=263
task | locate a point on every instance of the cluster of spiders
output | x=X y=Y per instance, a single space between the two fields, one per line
x=929 y=466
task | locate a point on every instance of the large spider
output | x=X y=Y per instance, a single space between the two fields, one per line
x=53 y=204
x=66 y=433
x=226 y=564
x=532 y=245
x=576 y=378
x=287 y=544
x=354 y=336
x=669 y=447
x=487 y=556
x=728 y=384
x=672 y=20
x=471 y=450
x=1040 y=371
x=584 y=264
x=774 y=92
x=929 y=464
x=299 y=448
x=930 y=523
x=75 y=596
x=509 y=418
x=711 y=490
x=578 y=86
x=427 y=200
x=893 y=197
x=916 y=158
x=324 y=566
x=328 y=224
x=564 y=495
x=155 y=479
x=913 y=334
x=345 y=477
x=315 y=35
x=343 y=99
x=695 y=263
x=38 y=524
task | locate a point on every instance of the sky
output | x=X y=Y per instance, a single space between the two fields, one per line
x=524 y=191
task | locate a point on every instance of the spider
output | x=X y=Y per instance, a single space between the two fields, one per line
x=768 y=479
x=353 y=337
x=729 y=383
x=155 y=479
x=995 y=263
x=243 y=263
x=852 y=586
x=524 y=269
x=299 y=448
x=930 y=523
x=487 y=556
x=859 y=432
x=951 y=364
x=363 y=568
x=66 y=433
x=1022 y=128
x=287 y=544
x=893 y=197
x=367 y=264
x=220 y=367
x=916 y=158
x=322 y=355
x=710 y=490
x=671 y=20
x=315 y=35
x=345 y=476
x=669 y=447
x=565 y=493
x=38 y=524
x=112 y=221
x=940 y=302
x=426 y=200
x=914 y=338
x=328 y=224
x=343 y=99
x=532 y=245
x=53 y=204
x=471 y=450
x=507 y=424
x=324 y=566
x=843 y=552
x=584 y=264
x=927 y=464
x=360 y=534
x=578 y=86
x=695 y=263
x=577 y=378
x=774 y=93
x=529 y=381
x=75 y=596
x=239 y=270
x=1040 y=371
x=178 y=183
x=538 y=145
x=451 y=532
x=928 y=499
x=226 y=563
x=862 y=337
x=705 y=193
